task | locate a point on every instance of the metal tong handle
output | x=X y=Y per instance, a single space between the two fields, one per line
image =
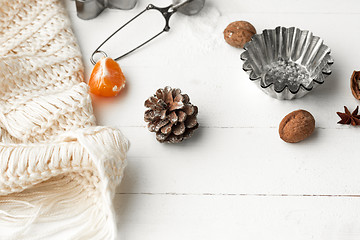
x=166 y=12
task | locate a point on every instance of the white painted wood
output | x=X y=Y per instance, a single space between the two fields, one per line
x=179 y=217
x=212 y=75
x=243 y=161
x=235 y=179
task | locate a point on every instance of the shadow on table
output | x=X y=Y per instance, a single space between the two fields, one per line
x=123 y=201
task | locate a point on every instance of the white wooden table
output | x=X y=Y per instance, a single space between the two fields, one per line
x=235 y=179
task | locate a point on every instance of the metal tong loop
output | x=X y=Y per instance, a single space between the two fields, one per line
x=166 y=12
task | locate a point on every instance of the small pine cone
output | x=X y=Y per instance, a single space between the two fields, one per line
x=171 y=115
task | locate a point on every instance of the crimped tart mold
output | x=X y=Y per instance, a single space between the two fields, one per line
x=287 y=63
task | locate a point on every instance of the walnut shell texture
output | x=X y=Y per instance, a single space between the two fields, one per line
x=238 y=33
x=354 y=84
x=296 y=126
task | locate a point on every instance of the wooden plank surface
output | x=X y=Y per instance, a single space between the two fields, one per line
x=243 y=161
x=237 y=217
x=235 y=179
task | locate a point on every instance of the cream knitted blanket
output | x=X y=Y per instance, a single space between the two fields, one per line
x=56 y=166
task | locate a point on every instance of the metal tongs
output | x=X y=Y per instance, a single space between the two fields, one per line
x=187 y=7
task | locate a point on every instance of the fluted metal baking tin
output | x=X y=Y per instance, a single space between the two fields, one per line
x=287 y=63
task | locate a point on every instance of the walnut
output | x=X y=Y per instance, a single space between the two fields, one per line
x=355 y=84
x=238 y=33
x=296 y=126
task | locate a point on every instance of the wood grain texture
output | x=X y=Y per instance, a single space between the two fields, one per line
x=233 y=217
x=235 y=179
x=242 y=161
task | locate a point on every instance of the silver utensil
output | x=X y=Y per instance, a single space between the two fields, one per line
x=89 y=9
x=187 y=7
x=287 y=63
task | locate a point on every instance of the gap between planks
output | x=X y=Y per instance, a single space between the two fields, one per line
x=244 y=194
x=239 y=127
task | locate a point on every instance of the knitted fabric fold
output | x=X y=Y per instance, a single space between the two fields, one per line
x=56 y=166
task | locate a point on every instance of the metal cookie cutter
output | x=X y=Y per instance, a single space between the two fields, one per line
x=187 y=7
x=88 y=9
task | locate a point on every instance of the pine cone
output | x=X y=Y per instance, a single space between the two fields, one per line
x=171 y=115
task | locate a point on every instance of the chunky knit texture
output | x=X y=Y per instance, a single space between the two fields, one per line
x=56 y=166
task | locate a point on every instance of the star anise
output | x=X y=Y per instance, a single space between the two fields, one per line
x=349 y=118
